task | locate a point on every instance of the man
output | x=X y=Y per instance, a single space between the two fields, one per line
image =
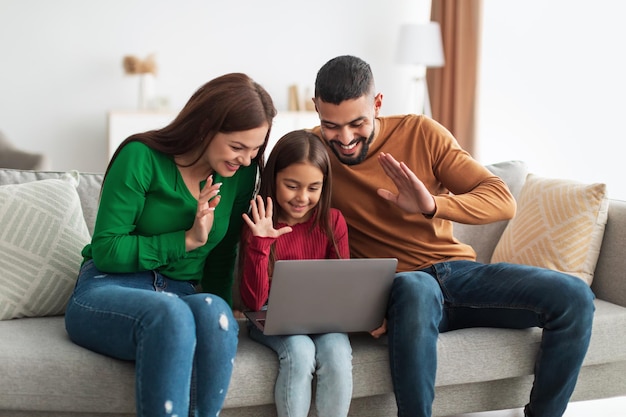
x=401 y=181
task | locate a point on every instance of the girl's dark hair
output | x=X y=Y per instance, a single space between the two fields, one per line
x=229 y=103
x=295 y=147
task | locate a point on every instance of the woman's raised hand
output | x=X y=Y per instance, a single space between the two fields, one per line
x=261 y=223
x=203 y=222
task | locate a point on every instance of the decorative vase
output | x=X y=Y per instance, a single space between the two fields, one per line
x=146 y=90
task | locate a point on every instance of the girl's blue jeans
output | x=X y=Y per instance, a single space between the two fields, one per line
x=328 y=356
x=461 y=294
x=170 y=331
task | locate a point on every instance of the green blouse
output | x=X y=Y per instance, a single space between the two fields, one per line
x=145 y=209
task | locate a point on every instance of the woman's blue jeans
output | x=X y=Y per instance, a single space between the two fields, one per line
x=328 y=355
x=169 y=330
x=461 y=294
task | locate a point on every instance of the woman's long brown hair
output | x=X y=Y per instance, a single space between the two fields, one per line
x=229 y=103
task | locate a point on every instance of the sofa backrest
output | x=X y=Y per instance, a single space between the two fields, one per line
x=484 y=238
x=609 y=270
x=609 y=281
x=88 y=187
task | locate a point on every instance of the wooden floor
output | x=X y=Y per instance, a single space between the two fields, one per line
x=613 y=407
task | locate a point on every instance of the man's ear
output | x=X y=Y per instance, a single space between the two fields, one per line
x=378 y=102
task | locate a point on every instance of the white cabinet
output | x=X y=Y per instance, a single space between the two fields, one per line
x=286 y=121
x=122 y=124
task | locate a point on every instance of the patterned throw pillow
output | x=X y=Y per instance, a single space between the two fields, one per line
x=559 y=225
x=42 y=232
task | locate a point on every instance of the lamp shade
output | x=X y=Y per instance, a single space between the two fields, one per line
x=420 y=44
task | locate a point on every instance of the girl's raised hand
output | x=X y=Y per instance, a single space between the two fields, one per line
x=261 y=223
x=203 y=222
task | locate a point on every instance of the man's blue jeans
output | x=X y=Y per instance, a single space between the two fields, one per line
x=460 y=294
x=169 y=330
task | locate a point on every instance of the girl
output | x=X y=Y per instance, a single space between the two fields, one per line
x=169 y=218
x=291 y=218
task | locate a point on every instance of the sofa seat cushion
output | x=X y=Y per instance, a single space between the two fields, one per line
x=36 y=361
x=40 y=366
x=486 y=354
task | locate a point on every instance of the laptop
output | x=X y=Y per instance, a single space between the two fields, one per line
x=326 y=296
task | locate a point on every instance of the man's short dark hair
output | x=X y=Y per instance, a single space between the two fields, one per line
x=343 y=78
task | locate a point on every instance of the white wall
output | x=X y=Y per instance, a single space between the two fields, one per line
x=61 y=61
x=553 y=88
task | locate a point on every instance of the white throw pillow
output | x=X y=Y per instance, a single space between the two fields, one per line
x=42 y=232
x=559 y=225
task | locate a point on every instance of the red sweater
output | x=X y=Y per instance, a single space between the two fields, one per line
x=300 y=243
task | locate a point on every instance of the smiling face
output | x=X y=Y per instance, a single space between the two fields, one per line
x=298 y=190
x=228 y=151
x=349 y=127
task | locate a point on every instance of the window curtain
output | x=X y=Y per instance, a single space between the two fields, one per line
x=453 y=88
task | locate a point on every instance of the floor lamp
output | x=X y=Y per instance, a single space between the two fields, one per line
x=420 y=45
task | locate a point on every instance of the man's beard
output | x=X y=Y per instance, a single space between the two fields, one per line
x=356 y=159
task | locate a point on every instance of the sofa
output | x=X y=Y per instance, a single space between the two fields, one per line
x=42 y=373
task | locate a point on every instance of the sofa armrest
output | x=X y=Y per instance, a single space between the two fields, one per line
x=609 y=282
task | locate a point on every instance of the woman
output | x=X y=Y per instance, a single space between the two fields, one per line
x=169 y=219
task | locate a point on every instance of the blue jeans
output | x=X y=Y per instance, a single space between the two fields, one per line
x=169 y=330
x=460 y=294
x=327 y=355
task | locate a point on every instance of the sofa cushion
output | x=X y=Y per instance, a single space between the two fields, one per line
x=41 y=369
x=559 y=225
x=88 y=187
x=42 y=232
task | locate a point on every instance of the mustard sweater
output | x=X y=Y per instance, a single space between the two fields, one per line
x=465 y=192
